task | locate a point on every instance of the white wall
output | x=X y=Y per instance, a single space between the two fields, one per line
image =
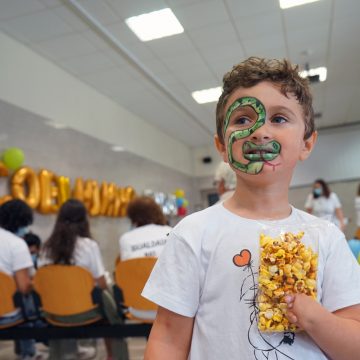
x=31 y=82
x=73 y=154
x=335 y=157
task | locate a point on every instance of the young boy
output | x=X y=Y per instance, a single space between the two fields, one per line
x=206 y=280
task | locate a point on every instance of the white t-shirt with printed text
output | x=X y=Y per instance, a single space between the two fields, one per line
x=196 y=276
x=143 y=241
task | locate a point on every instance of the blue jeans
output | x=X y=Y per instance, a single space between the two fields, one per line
x=25 y=347
x=22 y=347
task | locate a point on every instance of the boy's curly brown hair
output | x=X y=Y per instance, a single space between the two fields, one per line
x=143 y=210
x=281 y=72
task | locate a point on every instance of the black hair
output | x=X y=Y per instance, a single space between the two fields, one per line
x=15 y=214
x=32 y=239
x=71 y=222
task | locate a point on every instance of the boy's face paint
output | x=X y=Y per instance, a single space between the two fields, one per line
x=258 y=155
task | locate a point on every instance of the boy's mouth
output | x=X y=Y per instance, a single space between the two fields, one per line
x=264 y=152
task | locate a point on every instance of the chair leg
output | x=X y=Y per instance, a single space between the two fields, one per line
x=63 y=349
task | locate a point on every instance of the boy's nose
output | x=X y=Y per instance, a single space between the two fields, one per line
x=261 y=134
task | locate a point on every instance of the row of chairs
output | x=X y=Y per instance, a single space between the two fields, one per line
x=67 y=290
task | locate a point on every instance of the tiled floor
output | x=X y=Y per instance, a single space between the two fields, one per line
x=136 y=349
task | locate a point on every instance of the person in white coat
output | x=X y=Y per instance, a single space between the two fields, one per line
x=325 y=204
x=225 y=181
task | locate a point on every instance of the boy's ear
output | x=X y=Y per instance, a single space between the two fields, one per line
x=220 y=148
x=308 y=146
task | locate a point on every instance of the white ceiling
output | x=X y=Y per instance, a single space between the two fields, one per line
x=154 y=79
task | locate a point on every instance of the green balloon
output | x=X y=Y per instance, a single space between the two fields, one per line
x=13 y=158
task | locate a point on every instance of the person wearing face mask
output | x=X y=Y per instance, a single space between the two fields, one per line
x=34 y=243
x=225 y=181
x=325 y=204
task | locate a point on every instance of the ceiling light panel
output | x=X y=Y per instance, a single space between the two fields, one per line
x=207 y=95
x=286 y=4
x=320 y=71
x=155 y=25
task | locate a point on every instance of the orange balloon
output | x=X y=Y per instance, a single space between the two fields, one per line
x=64 y=189
x=49 y=192
x=25 y=186
x=92 y=197
x=108 y=199
x=125 y=195
x=4 y=199
x=3 y=169
x=112 y=200
x=4 y=172
x=78 y=192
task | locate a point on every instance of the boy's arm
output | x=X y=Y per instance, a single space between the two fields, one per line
x=337 y=334
x=170 y=336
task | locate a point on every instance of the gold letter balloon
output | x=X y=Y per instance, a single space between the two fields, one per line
x=47 y=191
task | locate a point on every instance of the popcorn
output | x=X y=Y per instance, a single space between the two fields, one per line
x=286 y=266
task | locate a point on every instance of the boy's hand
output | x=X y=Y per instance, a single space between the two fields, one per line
x=301 y=309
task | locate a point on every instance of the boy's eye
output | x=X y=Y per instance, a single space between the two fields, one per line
x=242 y=121
x=278 y=120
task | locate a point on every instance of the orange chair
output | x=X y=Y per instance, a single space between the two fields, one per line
x=66 y=291
x=131 y=276
x=7 y=291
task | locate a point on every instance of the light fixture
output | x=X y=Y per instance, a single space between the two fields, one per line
x=155 y=25
x=320 y=73
x=207 y=95
x=286 y=4
x=56 y=125
x=117 y=148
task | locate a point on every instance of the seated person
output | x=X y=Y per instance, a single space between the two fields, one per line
x=149 y=234
x=71 y=244
x=15 y=259
x=34 y=243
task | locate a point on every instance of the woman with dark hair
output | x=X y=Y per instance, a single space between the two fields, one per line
x=71 y=244
x=149 y=234
x=325 y=204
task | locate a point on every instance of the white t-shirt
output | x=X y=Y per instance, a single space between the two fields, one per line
x=357 y=208
x=147 y=240
x=14 y=253
x=324 y=207
x=14 y=256
x=195 y=276
x=86 y=254
x=226 y=195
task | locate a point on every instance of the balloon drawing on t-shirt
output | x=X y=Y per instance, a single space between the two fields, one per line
x=265 y=346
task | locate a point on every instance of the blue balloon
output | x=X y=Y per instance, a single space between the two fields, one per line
x=355 y=247
x=179 y=202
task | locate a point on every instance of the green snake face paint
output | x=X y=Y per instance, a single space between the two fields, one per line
x=258 y=155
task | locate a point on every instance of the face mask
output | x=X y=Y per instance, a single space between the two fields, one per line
x=22 y=231
x=317 y=192
x=34 y=258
